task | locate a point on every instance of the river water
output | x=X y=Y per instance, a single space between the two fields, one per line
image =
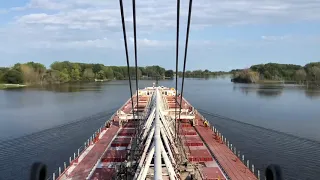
x=268 y=124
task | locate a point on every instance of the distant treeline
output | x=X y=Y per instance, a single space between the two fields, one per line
x=61 y=72
x=278 y=72
x=202 y=74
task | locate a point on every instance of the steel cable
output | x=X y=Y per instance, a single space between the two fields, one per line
x=177 y=63
x=126 y=50
x=185 y=59
x=136 y=59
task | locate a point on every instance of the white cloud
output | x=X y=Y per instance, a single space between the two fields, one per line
x=83 y=23
x=275 y=38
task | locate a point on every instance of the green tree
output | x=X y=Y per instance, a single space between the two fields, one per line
x=3 y=71
x=118 y=75
x=96 y=68
x=88 y=74
x=52 y=76
x=315 y=73
x=13 y=77
x=100 y=75
x=108 y=72
x=64 y=76
x=75 y=74
x=300 y=75
x=246 y=76
x=169 y=73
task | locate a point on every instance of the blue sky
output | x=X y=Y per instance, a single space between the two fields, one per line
x=224 y=34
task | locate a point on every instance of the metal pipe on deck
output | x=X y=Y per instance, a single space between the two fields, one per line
x=167 y=145
x=148 y=124
x=143 y=173
x=169 y=166
x=157 y=140
x=142 y=159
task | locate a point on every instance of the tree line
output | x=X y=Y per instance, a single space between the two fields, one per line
x=62 y=72
x=278 y=72
x=202 y=74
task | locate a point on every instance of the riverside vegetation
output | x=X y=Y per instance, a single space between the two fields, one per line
x=32 y=73
x=273 y=72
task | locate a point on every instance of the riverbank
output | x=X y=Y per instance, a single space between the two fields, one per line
x=11 y=86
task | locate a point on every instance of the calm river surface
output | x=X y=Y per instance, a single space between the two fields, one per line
x=268 y=124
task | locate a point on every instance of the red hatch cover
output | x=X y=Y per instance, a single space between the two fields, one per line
x=115 y=156
x=212 y=173
x=103 y=174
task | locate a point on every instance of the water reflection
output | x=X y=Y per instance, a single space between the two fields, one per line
x=312 y=93
x=273 y=91
x=72 y=87
x=269 y=91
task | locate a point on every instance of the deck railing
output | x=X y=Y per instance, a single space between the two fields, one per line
x=74 y=158
x=235 y=152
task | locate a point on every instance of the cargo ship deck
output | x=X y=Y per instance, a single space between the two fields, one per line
x=126 y=146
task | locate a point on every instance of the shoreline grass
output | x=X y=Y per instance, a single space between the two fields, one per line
x=11 y=86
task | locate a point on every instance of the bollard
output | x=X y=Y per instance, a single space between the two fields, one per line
x=243 y=159
x=65 y=165
x=228 y=145
x=225 y=140
x=231 y=147
x=88 y=143
x=248 y=164
x=239 y=154
x=222 y=137
x=53 y=176
x=59 y=171
x=252 y=168
x=85 y=144
x=258 y=175
x=235 y=151
x=78 y=152
x=70 y=160
x=74 y=156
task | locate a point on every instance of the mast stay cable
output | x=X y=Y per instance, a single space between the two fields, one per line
x=135 y=115
x=177 y=64
x=136 y=62
x=126 y=50
x=185 y=59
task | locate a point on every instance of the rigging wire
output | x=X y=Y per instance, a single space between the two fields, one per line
x=126 y=49
x=185 y=59
x=127 y=58
x=177 y=64
x=136 y=58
